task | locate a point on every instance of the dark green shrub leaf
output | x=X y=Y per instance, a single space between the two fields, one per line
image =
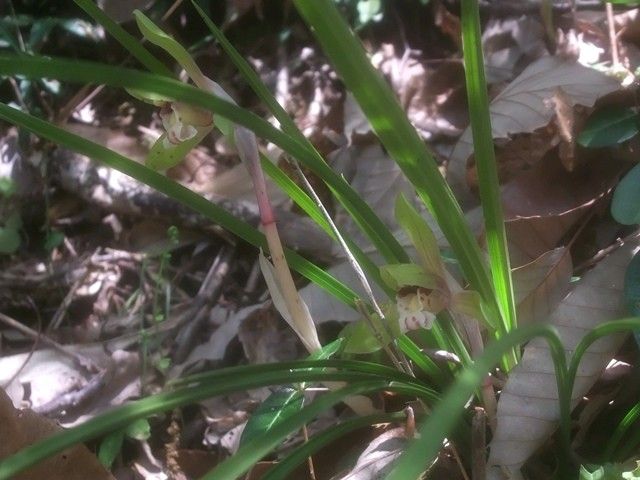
x=625 y=206
x=608 y=127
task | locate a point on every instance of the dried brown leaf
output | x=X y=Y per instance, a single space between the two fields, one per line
x=526 y=105
x=21 y=428
x=528 y=410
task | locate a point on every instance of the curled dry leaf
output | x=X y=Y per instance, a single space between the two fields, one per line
x=526 y=105
x=528 y=410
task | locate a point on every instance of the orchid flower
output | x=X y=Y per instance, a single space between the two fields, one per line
x=185 y=125
x=423 y=289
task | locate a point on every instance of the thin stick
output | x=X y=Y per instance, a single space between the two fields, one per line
x=612 y=36
x=80 y=360
x=478 y=445
x=458 y=460
x=312 y=470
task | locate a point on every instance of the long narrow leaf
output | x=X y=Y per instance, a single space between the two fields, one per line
x=626 y=325
x=399 y=137
x=486 y=163
x=289 y=127
x=81 y=71
x=136 y=48
x=230 y=380
x=306 y=203
x=253 y=451
x=175 y=191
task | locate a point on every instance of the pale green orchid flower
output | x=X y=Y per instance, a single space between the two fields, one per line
x=423 y=289
x=185 y=125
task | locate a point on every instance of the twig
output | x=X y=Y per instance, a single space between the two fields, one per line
x=478 y=445
x=458 y=460
x=58 y=317
x=171 y=9
x=606 y=251
x=612 y=36
x=72 y=400
x=209 y=293
x=79 y=360
x=312 y=470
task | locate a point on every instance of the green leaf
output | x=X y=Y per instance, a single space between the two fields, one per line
x=289 y=127
x=148 y=97
x=285 y=401
x=53 y=239
x=390 y=123
x=447 y=414
x=285 y=467
x=420 y=234
x=9 y=240
x=281 y=404
x=625 y=206
x=92 y=72
x=408 y=274
x=487 y=167
x=221 y=382
x=609 y=126
x=7 y=186
x=139 y=430
x=327 y=351
x=175 y=191
x=110 y=447
x=624 y=2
